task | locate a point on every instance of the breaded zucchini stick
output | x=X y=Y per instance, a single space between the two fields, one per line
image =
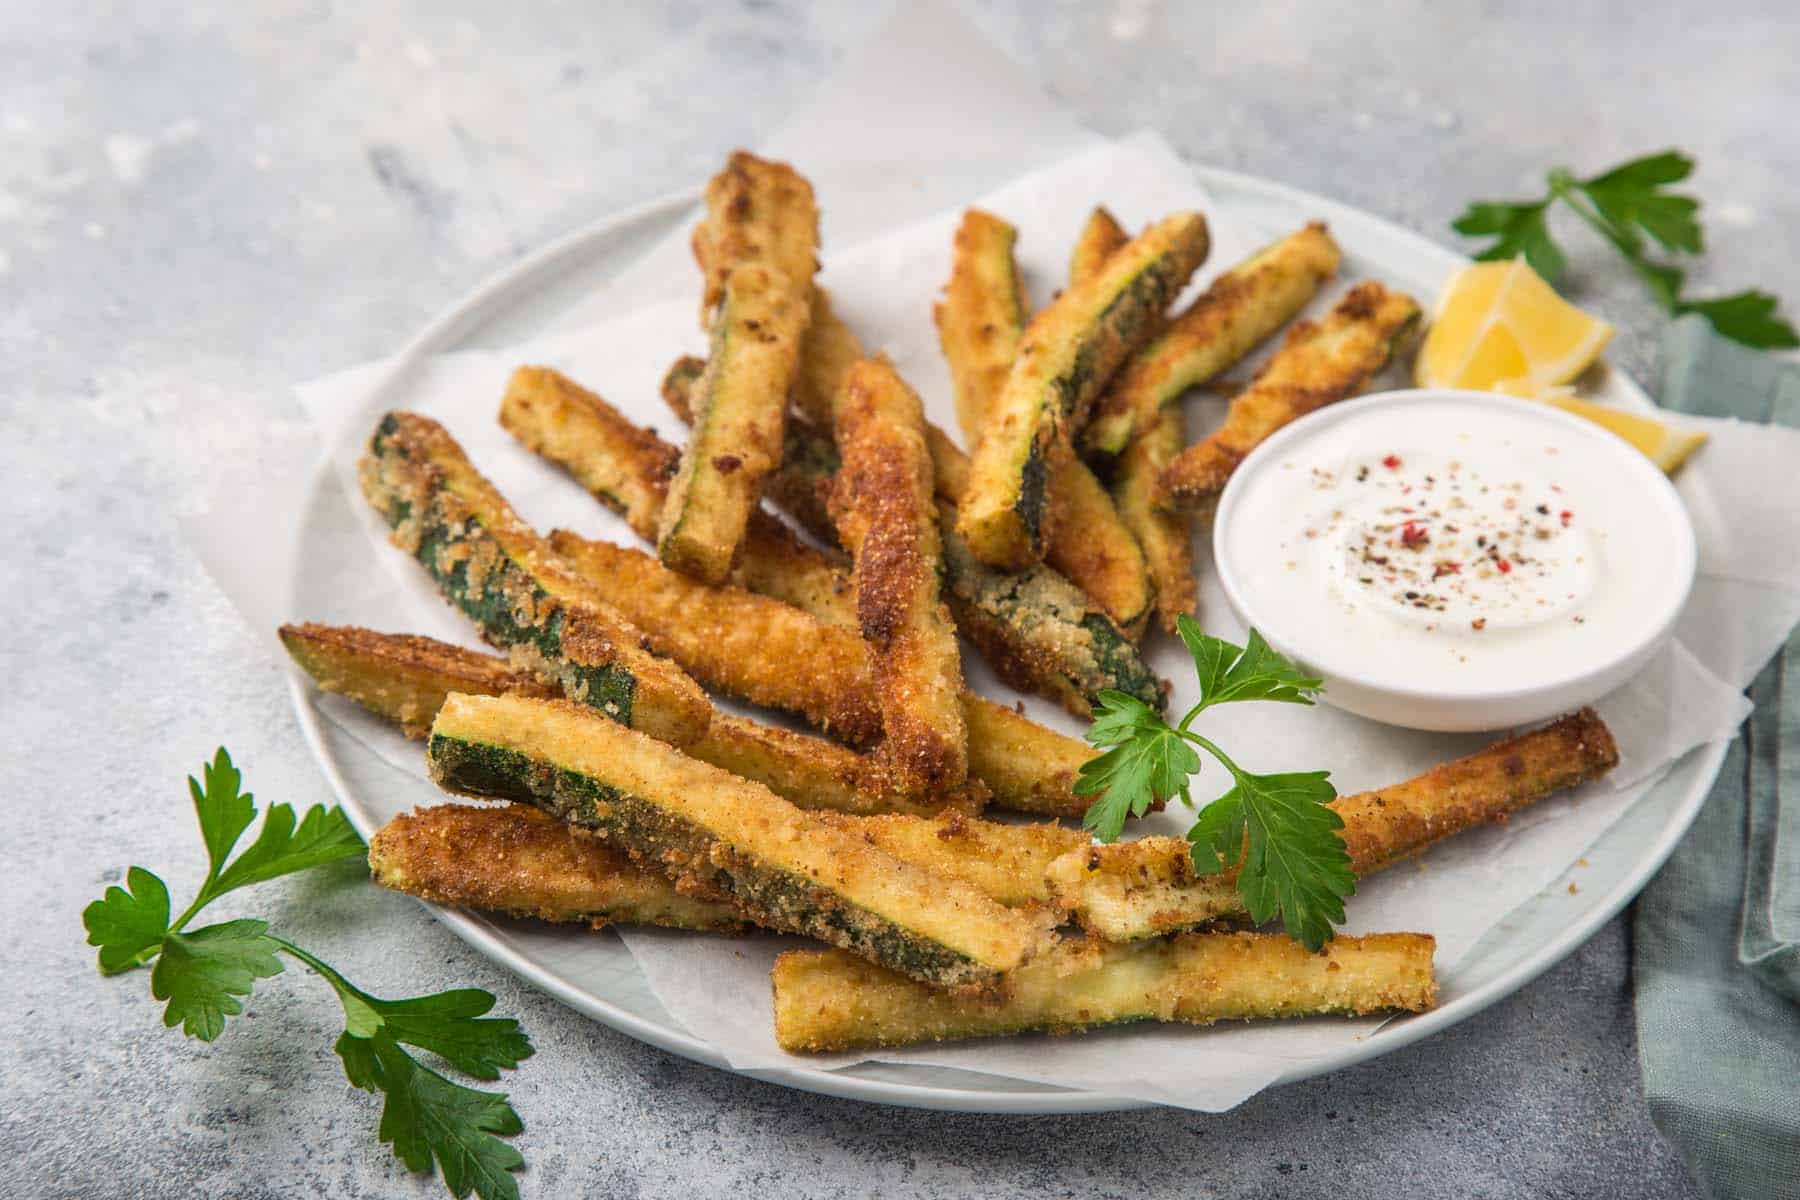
x=1065 y=358
x=721 y=837
x=1166 y=538
x=522 y=862
x=1100 y=238
x=1319 y=363
x=1240 y=309
x=981 y=324
x=981 y=316
x=1140 y=889
x=887 y=517
x=827 y=1000
x=739 y=413
x=1037 y=630
x=495 y=568
x=405 y=679
x=627 y=468
x=518 y=860
x=757 y=211
x=1026 y=767
x=750 y=647
x=401 y=676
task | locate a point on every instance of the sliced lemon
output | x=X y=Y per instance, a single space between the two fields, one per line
x=1500 y=321
x=1664 y=445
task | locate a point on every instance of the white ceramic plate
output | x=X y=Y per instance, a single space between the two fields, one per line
x=595 y=974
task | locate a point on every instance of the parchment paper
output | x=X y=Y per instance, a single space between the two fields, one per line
x=892 y=259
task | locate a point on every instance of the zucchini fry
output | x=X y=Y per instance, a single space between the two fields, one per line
x=1064 y=359
x=400 y=676
x=1166 y=538
x=1100 y=238
x=519 y=861
x=494 y=567
x=1319 y=363
x=827 y=1000
x=406 y=679
x=722 y=837
x=981 y=325
x=739 y=414
x=1239 y=310
x=1038 y=631
x=1025 y=766
x=887 y=517
x=757 y=211
x=1140 y=889
x=627 y=468
x=982 y=315
x=749 y=647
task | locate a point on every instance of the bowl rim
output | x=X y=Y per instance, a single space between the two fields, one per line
x=1630 y=460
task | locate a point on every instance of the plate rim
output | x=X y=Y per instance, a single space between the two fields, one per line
x=473 y=309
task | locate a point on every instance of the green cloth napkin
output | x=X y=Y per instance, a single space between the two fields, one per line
x=1717 y=932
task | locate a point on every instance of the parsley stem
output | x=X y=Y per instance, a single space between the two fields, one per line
x=1210 y=748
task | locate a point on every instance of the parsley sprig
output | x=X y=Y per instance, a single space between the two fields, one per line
x=1630 y=207
x=1275 y=829
x=202 y=975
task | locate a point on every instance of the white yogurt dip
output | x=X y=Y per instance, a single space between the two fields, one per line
x=1454 y=546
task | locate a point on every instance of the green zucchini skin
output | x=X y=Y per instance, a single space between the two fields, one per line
x=1038 y=631
x=1068 y=354
x=652 y=833
x=494 y=569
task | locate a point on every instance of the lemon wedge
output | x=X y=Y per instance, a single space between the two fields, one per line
x=1664 y=445
x=1500 y=322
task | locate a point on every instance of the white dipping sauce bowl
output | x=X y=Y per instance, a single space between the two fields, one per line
x=1426 y=698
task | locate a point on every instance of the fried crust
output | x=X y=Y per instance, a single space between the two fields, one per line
x=1242 y=308
x=1026 y=766
x=981 y=322
x=717 y=836
x=489 y=563
x=981 y=316
x=1100 y=238
x=1319 y=363
x=749 y=647
x=1144 y=888
x=885 y=512
x=401 y=676
x=826 y=1000
x=757 y=211
x=1166 y=538
x=739 y=415
x=1064 y=359
x=524 y=863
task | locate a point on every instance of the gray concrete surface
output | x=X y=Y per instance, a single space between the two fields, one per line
x=201 y=204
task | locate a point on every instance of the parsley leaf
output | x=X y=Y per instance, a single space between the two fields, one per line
x=1292 y=860
x=1253 y=672
x=128 y=926
x=202 y=974
x=1747 y=317
x=223 y=810
x=1275 y=829
x=1147 y=764
x=1517 y=229
x=425 y=1116
x=1630 y=207
x=323 y=837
